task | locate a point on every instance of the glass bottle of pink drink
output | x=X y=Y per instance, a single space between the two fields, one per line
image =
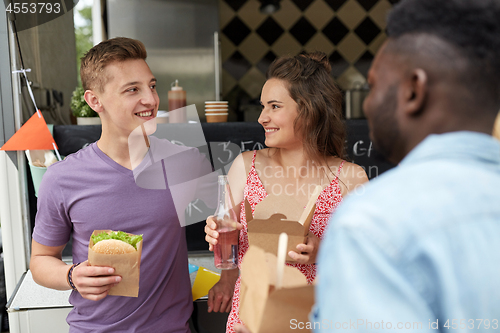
x=226 y=250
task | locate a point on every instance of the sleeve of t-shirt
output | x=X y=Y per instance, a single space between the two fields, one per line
x=361 y=285
x=52 y=223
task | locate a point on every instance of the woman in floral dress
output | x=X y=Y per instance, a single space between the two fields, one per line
x=302 y=118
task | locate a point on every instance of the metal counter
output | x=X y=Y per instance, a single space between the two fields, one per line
x=36 y=309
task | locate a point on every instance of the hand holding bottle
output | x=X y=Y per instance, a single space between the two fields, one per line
x=212 y=235
x=226 y=247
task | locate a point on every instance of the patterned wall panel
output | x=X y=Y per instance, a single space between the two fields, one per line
x=349 y=31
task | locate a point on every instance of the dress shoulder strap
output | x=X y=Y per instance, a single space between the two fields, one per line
x=340 y=168
x=253 y=159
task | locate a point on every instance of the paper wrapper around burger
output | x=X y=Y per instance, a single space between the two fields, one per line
x=265 y=309
x=126 y=265
x=277 y=214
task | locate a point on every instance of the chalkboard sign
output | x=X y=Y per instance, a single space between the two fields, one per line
x=243 y=136
x=361 y=151
x=226 y=141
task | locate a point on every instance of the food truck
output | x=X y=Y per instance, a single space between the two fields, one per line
x=197 y=43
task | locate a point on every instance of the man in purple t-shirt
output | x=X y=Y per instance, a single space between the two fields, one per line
x=95 y=188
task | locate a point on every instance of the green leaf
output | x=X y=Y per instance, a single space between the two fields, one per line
x=79 y=105
x=120 y=235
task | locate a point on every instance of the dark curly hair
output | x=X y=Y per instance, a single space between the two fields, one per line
x=309 y=83
x=471 y=27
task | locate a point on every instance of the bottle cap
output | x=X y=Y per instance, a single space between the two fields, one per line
x=175 y=86
x=223 y=179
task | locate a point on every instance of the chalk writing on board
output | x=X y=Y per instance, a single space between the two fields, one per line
x=177 y=142
x=256 y=145
x=361 y=148
x=246 y=144
x=225 y=148
x=191 y=206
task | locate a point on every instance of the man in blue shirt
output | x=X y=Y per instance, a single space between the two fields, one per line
x=419 y=248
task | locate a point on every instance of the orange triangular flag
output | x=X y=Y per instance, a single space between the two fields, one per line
x=33 y=135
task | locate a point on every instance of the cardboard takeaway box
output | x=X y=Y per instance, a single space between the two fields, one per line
x=127 y=265
x=277 y=214
x=265 y=309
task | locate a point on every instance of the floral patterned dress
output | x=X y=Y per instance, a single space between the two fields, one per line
x=254 y=191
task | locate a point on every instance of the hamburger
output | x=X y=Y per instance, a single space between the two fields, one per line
x=115 y=242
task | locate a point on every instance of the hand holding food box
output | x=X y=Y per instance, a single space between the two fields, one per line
x=267 y=302
x=277 y=214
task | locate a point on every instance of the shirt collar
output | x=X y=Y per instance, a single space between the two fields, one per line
x=460 y=145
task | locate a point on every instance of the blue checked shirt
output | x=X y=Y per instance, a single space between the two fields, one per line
x=418 y=249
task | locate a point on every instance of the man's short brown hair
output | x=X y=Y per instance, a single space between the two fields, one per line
x=104 y=53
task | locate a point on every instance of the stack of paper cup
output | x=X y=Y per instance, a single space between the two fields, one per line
x=216 y=111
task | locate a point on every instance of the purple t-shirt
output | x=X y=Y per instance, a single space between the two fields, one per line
x=89 y=191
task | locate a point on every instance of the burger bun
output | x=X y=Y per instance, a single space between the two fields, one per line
x=113 y=246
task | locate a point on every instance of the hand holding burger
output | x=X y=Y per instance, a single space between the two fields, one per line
x=121 y=251
x=94 y=282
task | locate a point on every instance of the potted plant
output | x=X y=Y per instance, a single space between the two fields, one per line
x=81 y=110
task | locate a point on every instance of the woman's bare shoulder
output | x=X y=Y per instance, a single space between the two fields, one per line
x=243 y=162
x=353 y=175
x=353 y=168
x=238 y=174
x=240 y=163
x=265 y=154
